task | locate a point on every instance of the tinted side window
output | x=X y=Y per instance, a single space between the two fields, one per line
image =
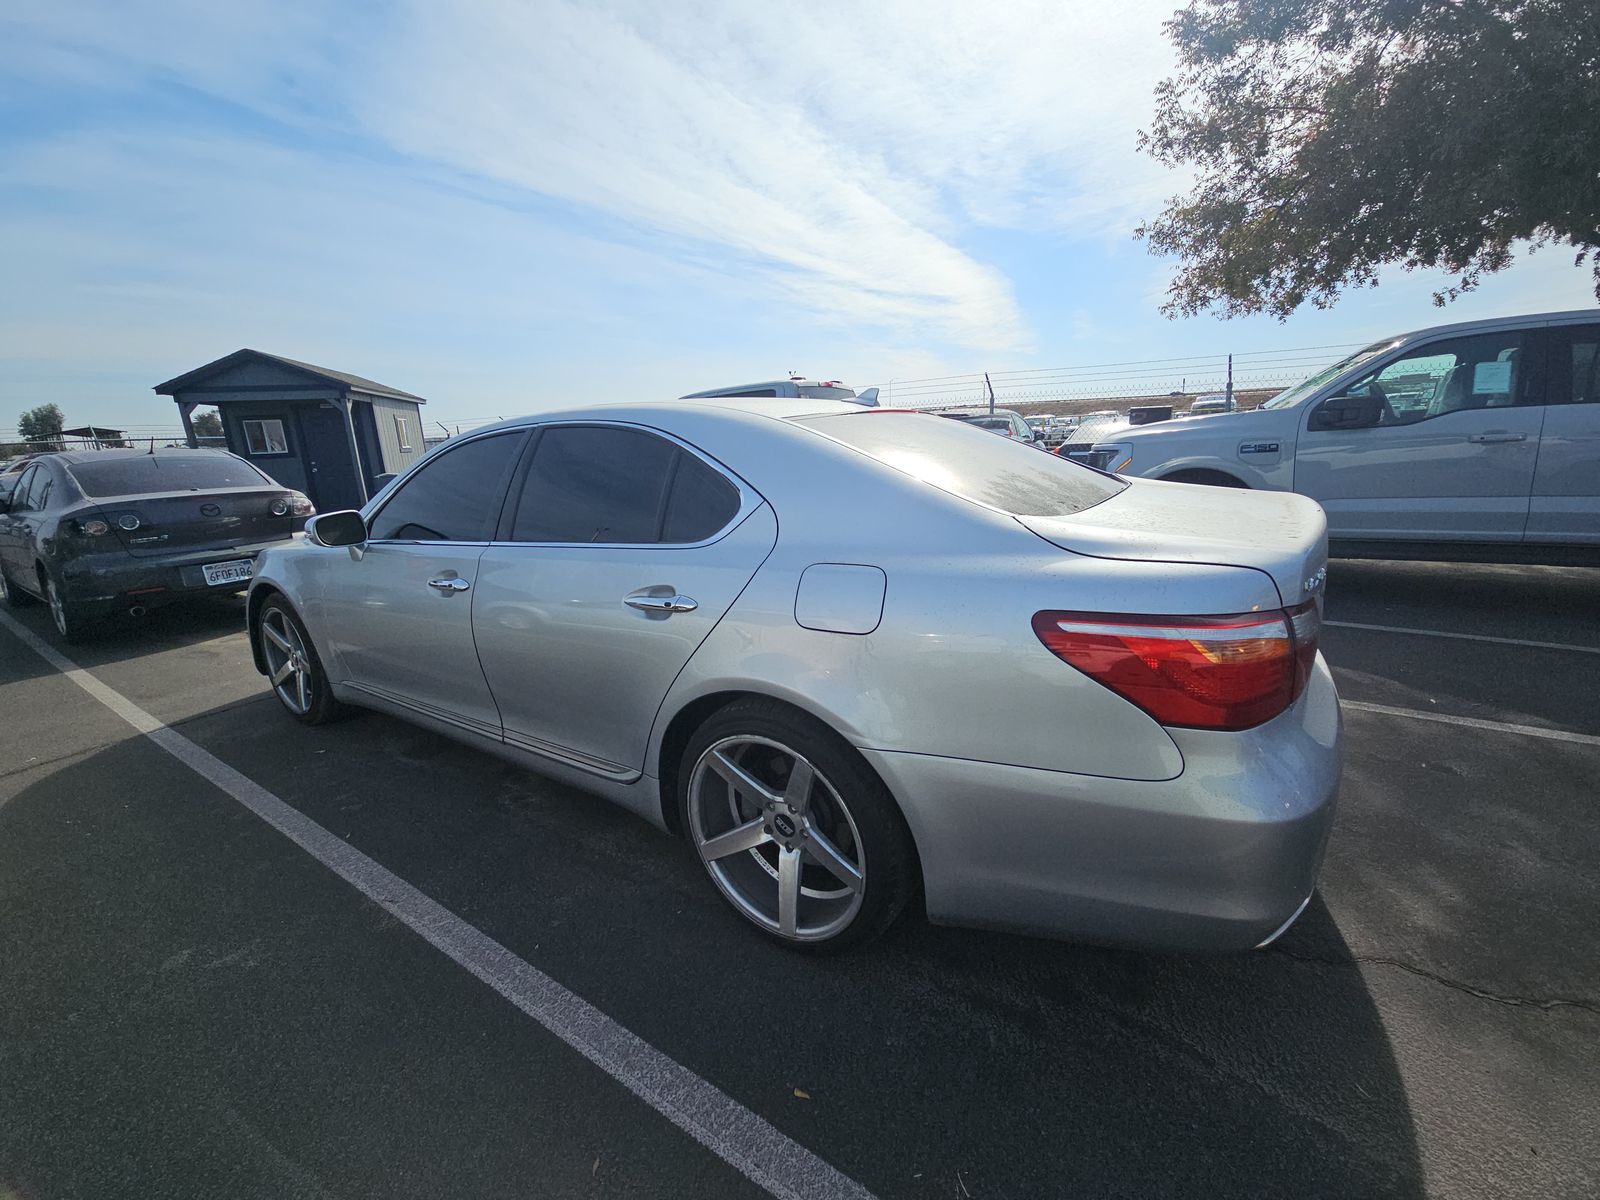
x=701 y=502
x=19 y=502
x=455 y=497
x=595 y=483
x=1575 y=370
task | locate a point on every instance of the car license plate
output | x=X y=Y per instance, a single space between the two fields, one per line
x=237 y=571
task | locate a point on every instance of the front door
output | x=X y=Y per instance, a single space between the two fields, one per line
x=1453 y=456
x=331 y=475
x=397 y=613
x=621 y=552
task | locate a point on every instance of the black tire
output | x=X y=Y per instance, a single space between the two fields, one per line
x=849 y=805
x=73 y=623
x=304 y=692
x=14 y=596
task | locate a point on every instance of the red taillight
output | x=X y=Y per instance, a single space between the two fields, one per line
x=1229 y=673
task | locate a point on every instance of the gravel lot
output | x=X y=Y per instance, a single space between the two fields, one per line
x=193 y=1005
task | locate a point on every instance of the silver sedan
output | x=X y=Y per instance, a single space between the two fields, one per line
x=861 y=661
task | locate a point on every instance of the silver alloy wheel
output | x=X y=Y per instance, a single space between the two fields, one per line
x=288 y=665
x=58 y=608
x=777 y=838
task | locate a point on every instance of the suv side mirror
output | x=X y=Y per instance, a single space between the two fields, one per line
x=1355 y=410
x=344 y=528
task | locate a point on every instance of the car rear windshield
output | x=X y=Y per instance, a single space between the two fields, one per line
x=1002 y=473
x=142 y=474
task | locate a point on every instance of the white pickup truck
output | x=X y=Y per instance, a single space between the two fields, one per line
x=1478 y=441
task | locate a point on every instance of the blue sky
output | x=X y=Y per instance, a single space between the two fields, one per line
x=506 y=205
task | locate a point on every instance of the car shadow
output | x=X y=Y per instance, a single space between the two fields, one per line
x=121 y=638
x=935 y=1060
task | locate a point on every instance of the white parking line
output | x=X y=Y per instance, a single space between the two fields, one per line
x=1466 y=637
x=1554 y=735
x=718 y=1122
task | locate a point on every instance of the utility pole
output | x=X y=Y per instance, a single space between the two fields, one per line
x=1230 y=381
x=990 y=387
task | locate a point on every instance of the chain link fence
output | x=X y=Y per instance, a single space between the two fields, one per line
x=1091 y=399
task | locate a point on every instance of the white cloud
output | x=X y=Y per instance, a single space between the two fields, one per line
x=844 y=155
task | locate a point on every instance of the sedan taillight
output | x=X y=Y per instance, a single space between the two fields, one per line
x=1228 y=673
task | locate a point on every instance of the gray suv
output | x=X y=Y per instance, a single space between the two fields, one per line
x=1478 y=441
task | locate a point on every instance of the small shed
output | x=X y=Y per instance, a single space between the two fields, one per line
x=326 y=433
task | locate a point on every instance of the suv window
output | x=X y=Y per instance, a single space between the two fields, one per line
x=1439 y=378
x=603 y=484
x=1012 y=476
x=455 y=497
x=1575 y=369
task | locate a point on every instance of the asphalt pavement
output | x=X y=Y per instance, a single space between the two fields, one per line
x=193 y=1004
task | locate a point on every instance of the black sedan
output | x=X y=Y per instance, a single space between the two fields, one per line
x=101 y=531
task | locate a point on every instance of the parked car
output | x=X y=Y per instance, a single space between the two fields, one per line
x=1205 y=406
x=1001 y=420
x=100 y=531
x=1087 y=430
x=795 y=385
x=852 y=657
x=11 y=471
x=1051 y=430
x=1478 y=441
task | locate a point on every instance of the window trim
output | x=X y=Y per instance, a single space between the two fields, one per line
x=402 y=432
x=399 y=485
x=283 y=435
x=749 y=498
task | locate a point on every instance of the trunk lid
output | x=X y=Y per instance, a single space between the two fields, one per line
x=198 y=520
x=1281 y=534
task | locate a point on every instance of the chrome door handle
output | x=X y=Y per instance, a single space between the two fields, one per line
x=661 y=604
x=448 y=584
x=1496 y=435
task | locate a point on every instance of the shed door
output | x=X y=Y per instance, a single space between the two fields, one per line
x=331 y=475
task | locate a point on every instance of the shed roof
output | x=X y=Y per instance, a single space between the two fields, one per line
x=92 y=431
x=340 y=379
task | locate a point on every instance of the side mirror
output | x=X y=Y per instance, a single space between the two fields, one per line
x=1356 y=410
x=344 y=528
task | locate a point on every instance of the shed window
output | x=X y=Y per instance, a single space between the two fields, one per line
x=265 y=437
x=402 y=433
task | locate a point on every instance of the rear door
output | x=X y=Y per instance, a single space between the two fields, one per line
x=1454 y=456
x=17 y=526
x=621 y=549
x=397 y=613
x=1566 y=484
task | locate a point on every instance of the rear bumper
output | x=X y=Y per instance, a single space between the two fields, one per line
x=1220 y=858
x=108 y=582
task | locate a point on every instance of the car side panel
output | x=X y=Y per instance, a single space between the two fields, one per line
x=954 y=667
